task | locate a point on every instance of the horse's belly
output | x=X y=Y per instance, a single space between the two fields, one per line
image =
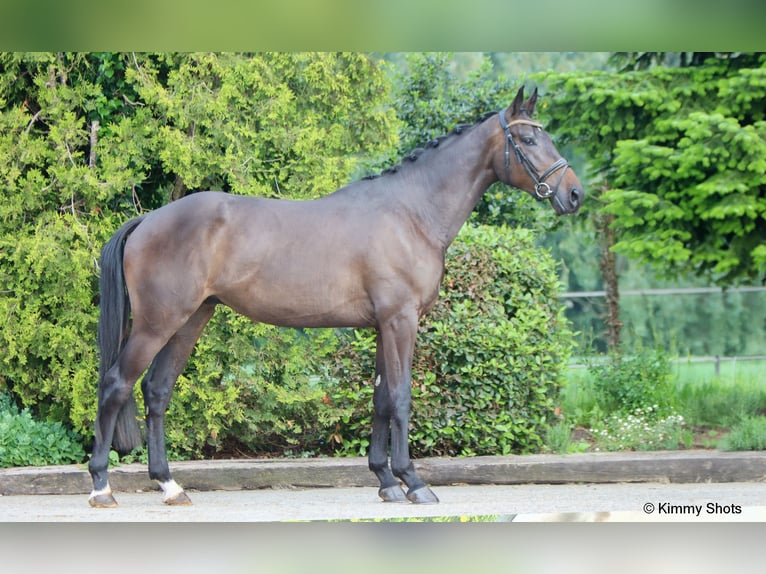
x=294 y=305
x=296 y=316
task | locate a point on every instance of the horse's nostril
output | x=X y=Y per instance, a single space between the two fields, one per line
x=574 y=196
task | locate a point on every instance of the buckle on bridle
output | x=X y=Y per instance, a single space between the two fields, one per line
x=539 y=194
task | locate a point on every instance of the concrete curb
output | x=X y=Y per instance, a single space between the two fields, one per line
x=667 y=466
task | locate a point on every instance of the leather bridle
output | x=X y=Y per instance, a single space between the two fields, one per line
x=542 y=189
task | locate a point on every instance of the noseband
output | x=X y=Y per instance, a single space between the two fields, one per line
x=542 y=189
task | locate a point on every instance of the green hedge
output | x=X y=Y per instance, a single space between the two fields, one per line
x=49 y=309
x=254 y=388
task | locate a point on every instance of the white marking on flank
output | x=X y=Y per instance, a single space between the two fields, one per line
x=377 y=381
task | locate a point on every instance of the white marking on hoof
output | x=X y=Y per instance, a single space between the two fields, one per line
x=377 y=381
x=106 y=491
x=170 y=489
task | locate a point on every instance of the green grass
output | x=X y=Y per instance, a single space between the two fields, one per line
x=725 y=410
x=559 y=439
x=710 y=400
x=729 y=371
x=579 y=402
x=747 y=434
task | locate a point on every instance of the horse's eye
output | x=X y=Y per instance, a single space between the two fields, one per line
x=528 y=141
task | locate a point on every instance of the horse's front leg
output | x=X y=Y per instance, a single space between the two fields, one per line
x=390 y=489
x=397 y=336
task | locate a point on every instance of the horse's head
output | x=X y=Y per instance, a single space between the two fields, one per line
x=528 y=160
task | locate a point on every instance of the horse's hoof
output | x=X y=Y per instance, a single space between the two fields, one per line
x=102 y=501
x=179 y=499
x=392 y=494
x=422 y=495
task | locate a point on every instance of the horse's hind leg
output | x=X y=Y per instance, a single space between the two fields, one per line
x=157 y=388
x=117 y=388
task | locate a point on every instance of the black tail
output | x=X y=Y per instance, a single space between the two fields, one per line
x=113 y=330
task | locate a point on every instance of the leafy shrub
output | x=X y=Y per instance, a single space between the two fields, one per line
x=635 y=403
x=285 y=393
x=255 y=388
x=48 y=351
x=641 y=381
x=27 y=442
x=489 y=358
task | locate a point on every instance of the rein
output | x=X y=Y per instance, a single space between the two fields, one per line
x=542 y=189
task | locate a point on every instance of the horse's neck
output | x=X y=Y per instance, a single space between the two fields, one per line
x=452 y=179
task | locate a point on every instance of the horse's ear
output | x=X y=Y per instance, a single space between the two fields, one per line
x=517 y=102
x=530 y=104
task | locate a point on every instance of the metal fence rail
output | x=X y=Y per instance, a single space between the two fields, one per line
x=668 y=291
x=716 y=360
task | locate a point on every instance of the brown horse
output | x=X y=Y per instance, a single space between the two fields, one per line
x=370 y=254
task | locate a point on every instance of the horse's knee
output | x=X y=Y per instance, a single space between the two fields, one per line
x=115 y=389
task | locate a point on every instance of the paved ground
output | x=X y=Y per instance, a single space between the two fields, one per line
x=272 y=517
x=657 y=486
x=543 y=502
